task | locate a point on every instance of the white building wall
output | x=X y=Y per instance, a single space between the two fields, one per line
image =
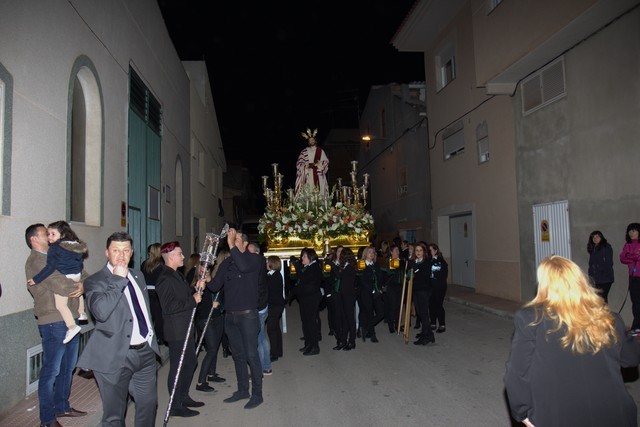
x=39 y=44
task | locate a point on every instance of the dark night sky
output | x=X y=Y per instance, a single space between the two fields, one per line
x=278 y=67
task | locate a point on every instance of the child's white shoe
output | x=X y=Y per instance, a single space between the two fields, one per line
x=83 y=316
x=71 y=333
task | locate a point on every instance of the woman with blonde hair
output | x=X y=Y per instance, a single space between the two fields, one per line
x=566 y=354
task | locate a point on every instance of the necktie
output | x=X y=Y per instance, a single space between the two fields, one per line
x=142 y=322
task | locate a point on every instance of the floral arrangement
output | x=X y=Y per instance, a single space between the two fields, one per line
x=301 y=220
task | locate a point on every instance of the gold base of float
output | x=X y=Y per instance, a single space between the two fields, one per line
x=284 y=247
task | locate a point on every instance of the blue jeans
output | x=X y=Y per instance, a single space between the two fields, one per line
x=242 y=331
x=58 y=363
x=264 y=350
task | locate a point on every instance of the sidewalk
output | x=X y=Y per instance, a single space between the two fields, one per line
x=85 y=395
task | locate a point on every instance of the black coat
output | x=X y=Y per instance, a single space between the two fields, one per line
x=421 y=275
x=309 y=279
x=439 y=272
x=176 y=300
x=552 y=386
x=601 y=264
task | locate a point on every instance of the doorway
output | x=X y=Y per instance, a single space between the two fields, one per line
x=463 y=268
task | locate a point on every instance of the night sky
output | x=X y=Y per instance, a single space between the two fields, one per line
x=278 y=67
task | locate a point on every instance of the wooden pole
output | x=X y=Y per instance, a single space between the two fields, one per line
x=404 y=284
x=407 y=311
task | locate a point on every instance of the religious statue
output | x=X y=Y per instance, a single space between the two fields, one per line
x=312 y=166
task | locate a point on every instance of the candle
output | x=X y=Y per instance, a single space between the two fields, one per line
x=354 y=165
x=290 y=192
x=353 y=177
x=275 y=169
x=366 y=179
x=339 y=182
x=264 y=182
x=280 y=176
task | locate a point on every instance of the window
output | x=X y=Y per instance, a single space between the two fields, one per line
x=201 y=159
x=445 y=62
x=6 y=107
x=453 y=140
x=544 y=87
x=403 y=182
x=154 y=203
x=482 y=136
x=85 y=140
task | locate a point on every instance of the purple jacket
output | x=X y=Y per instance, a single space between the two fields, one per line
x=630 y=255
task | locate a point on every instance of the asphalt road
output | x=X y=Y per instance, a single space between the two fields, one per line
x=455 y=382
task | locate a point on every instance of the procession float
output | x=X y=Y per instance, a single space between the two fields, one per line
x=314 y=215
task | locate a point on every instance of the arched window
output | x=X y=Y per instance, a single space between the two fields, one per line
x=6 y=107
x=85 y=139
x=179 y=195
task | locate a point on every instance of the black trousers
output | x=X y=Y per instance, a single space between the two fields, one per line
x=634 y=293
x=309 y=306
x=436 y=305
x=421 y=302
x=273 y=329
x=347 y=316
x=212 y=338
x=186 y=373
x=394 y=293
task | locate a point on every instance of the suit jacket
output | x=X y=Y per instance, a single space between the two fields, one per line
x=176 y=300
x=107 y=348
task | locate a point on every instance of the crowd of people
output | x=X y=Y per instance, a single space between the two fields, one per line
x=237 y=304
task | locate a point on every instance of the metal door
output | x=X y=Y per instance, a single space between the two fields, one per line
x=463 y=267
x=551 y=230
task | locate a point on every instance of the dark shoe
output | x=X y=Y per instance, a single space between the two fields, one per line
x=305 y=348
x=392 y=328
x=441 y=329
x=433 y=327
x=418 y=336
x=358 y=334
x=418 y=326
x=190 y=403
x=215 y=378
x=424 y=341
x=340 y=346
x=312 y=351
x=53 y=424
x=273 y=358
x=205 y=387
x=86 y=374
x=349 y=347
x=254 y=402
x=226 y=352
x=72 y=413
x=183 y=411
x=374 y=338
x=267 y=372
x=237 y=396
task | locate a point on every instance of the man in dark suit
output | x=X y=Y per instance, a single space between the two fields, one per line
x=178 y=302
x=122 y=350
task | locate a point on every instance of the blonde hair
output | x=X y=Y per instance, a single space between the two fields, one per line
x=566 y=297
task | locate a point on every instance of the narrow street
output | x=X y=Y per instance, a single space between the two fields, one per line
x=456 y=382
